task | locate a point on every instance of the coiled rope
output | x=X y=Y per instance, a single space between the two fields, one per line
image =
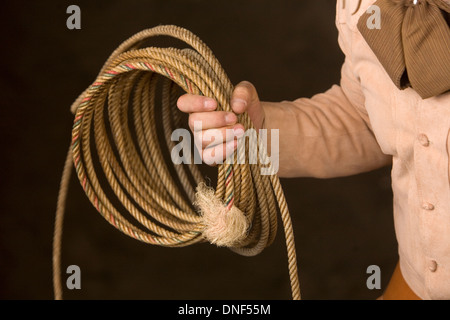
x=118 y=112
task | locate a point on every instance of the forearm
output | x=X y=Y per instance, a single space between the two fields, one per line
x=323 y=137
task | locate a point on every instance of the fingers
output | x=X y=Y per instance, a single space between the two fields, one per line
x=209 y=120
x=195 y=103
x=244 y=96
x=245 y=99
x=208 y=138
x=215 y=132
x=218 y=154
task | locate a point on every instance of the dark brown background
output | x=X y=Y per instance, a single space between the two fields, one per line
x=288 y=49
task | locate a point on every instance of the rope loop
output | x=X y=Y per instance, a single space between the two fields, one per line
x=116 y=132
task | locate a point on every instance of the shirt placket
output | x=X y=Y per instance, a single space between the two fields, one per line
x=431 y=166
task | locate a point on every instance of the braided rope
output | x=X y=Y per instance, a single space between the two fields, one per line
x=122 y=98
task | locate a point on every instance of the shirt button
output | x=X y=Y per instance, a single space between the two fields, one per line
x=427 y=206
x=432 y=266
x=423 y=140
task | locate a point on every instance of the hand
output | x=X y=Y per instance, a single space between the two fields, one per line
x=209 y=126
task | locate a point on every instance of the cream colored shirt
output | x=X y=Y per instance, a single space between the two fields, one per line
x=365 y=123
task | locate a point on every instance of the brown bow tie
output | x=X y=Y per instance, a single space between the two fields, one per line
x=413 y=43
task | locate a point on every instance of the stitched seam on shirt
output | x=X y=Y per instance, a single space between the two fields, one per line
x=394 y=120
x=417 y=180
x=353 y=23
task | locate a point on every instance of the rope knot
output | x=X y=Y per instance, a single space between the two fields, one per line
x=222 y=227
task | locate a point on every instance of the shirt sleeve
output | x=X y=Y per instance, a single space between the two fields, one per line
x=328 y=135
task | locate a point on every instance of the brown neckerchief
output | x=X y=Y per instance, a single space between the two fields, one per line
x=413 y=43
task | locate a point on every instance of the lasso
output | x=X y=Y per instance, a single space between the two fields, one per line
x=115 y=129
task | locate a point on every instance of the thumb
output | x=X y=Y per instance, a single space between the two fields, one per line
x=245 y=99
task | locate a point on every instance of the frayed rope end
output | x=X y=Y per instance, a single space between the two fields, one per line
x=222 y=227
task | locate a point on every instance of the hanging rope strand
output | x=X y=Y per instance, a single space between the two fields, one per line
x=116 y=118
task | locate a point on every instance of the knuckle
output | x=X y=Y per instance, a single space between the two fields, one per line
x=209 y=137
x=207 y=157
x=192 y=119
x=244 y=87
x=196 y=122
x=180 y=101
x=198 y=100
x=241 y=91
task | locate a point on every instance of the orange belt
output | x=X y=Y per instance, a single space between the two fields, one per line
x=398 y=289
